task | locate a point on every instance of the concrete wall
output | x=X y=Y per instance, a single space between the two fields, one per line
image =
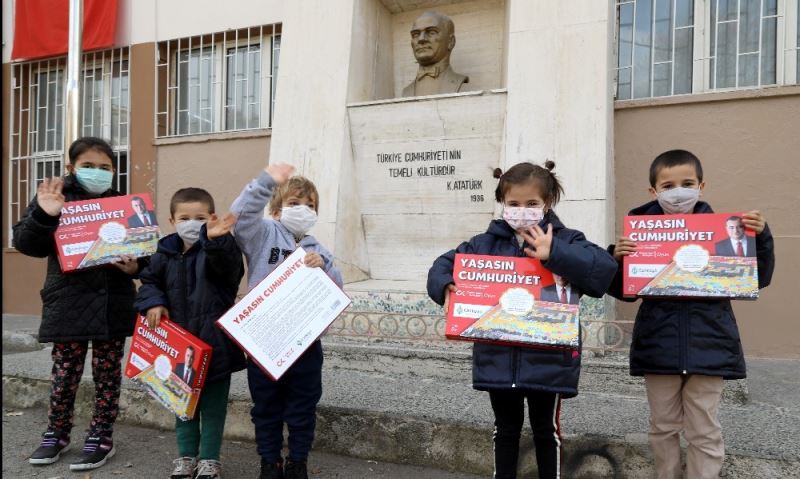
x=221 y=164
x=480 y=27
x=749 y=149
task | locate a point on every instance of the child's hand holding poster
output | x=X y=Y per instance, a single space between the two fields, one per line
x=697 y=255
x=511 y=300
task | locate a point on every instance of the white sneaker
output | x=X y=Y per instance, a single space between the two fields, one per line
x=209 y=469
x=184 y=468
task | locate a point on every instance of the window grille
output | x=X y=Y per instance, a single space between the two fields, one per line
x=675 y=47
x=216 y=82
x=36 y=143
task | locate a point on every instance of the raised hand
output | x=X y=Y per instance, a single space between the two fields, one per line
x=216 y=227
x=49 y=196
x=754 y=221
x=154 y=315
x=280 y=172
x=541 y=241
x=624 y=247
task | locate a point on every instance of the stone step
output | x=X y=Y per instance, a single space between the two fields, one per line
x=436 y=419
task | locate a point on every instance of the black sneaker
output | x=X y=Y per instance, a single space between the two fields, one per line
x=271 y=470
x=49 y=451
x=96 y=451
x=295 y=470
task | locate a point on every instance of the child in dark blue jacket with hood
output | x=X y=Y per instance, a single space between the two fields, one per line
x=510 y=374
x=193 y=279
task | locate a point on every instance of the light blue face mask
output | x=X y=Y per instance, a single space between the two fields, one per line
x=94 y=180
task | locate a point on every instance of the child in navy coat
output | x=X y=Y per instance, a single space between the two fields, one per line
x=510 y=374
x=193 y=279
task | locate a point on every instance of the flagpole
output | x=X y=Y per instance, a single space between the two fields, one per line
x=72 y=97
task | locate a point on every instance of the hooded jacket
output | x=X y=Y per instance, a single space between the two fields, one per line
x=587 y=267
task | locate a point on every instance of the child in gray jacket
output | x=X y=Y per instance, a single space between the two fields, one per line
x=293 y=205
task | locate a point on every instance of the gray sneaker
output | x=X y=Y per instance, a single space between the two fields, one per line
x=184 y=468
x=209 y=469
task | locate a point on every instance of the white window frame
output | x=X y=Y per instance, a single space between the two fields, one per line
x=786 y=50
x=220 y=44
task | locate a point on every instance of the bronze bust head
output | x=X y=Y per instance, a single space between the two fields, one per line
x=432 y=40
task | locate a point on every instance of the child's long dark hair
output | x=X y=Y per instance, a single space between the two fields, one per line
x=524 y=172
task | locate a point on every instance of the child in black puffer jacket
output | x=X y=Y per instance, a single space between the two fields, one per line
x=78 y=307
x=512 y=374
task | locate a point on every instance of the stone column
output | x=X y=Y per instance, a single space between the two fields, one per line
x=324 y=50
x=560 y=105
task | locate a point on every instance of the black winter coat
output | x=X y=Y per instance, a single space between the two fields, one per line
x=197 y=287
x=585 y=265
x=94 y=304
x=690 y=336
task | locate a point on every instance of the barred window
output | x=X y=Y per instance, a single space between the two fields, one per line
x=655 y=42
x=217 y=82
x=36 y=146
x=674 y=47
x=743 y=36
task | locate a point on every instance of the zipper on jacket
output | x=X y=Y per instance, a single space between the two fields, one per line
x=514 y=361
x=184 y=292
x=684 y=339
x=515 y=351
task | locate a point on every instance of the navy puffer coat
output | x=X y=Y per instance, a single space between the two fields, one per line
x=690 y=336
x=197 y=287
x=586 y=266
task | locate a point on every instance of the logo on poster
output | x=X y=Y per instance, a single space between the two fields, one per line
x=645 y=270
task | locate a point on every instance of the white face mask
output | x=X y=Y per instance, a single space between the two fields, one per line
x=298 y=219
x=678 y=200
x=189 y=230
x=520 y=218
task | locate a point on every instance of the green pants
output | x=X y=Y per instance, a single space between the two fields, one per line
x=203 y=435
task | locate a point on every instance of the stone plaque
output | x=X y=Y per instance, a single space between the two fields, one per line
x=425 y=176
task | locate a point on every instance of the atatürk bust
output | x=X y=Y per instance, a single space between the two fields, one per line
x=432 y=39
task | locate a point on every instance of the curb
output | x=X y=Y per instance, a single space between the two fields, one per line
x=408 y=440
x=20 y=342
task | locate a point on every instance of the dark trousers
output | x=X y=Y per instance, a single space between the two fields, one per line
x=292 y=399
x=68 y=359
x=509 y=416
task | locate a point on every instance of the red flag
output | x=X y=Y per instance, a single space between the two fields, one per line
x=41 y=27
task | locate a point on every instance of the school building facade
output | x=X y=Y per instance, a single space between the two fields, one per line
x=197 y=93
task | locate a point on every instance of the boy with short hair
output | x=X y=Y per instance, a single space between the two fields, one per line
x=686 y=348
x=193 y=279
x=293 y=205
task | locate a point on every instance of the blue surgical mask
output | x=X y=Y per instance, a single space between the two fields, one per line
x=94 y=180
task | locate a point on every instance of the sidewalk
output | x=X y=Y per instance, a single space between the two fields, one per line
x=416 y=406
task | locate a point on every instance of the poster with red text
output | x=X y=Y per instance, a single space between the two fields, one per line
x=170 y=363
x=96 y=232
x=510 y=300
x=695 y=255
x=284 y=314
